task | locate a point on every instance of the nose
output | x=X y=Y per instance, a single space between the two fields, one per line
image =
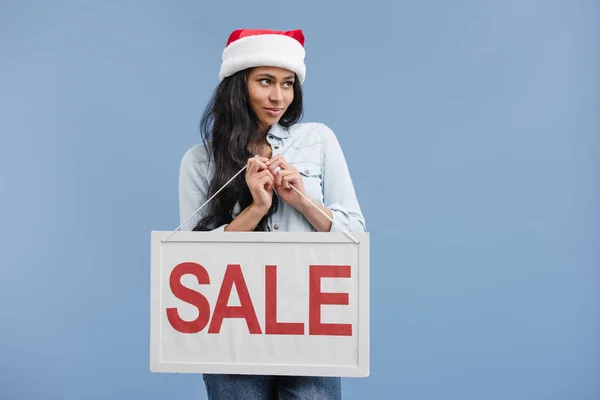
x=276 y=94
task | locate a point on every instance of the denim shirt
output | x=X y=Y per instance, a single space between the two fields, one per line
x=313 y=149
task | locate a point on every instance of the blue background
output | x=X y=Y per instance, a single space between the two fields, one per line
x=471 y=129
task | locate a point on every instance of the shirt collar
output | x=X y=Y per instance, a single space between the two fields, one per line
x=278 y=131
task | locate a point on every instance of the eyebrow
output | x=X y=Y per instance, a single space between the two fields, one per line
x=272 y=77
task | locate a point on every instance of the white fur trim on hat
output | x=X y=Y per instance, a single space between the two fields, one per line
x=265 y=50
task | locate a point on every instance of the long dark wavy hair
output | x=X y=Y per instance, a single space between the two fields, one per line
x=228 y=126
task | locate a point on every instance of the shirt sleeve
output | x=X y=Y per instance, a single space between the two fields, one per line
x=193 y=188
x=338 y=190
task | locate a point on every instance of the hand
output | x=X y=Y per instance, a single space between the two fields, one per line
x=286 y=176
x=261 y=182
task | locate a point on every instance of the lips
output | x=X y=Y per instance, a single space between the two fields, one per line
x=273 y=111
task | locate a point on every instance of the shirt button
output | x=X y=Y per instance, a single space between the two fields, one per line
x=270 y=137
x=306 y=171
x=276 y=226
x=276 y=147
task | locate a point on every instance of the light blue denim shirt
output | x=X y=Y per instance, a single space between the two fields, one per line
x=314 y=150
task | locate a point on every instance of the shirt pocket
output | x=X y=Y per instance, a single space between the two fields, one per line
x=312 y=178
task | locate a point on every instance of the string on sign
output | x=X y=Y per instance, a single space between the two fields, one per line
x=230 y=180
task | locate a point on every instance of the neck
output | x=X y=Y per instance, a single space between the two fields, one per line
x=263 y=129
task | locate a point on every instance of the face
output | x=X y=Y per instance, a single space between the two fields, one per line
x=271 y=92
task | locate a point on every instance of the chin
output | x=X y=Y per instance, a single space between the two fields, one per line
x=271 y=120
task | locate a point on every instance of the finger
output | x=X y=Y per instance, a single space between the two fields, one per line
x=261 y=165
x=251 y=166
x=275 y=164
x=274 y=160
x=280 y=161
x=256 y=165
x=286 y=181
x=278 y=176
x=255 y=179
x=285 y=165
x=277 y=157
x=258 y=182
x=271 y=182
x=258 y=177
x=266 y=182
x=268 y=186
x=286 y=177
x=264 y=172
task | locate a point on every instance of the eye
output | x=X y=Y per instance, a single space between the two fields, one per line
x=265 y=81
x=289 y=83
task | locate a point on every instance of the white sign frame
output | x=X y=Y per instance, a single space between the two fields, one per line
x=362 y=329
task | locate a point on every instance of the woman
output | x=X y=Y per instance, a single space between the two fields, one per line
x=252 y=121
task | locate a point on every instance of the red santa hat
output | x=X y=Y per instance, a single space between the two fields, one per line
x=247 y=48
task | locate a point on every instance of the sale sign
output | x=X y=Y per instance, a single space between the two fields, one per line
x=260 y=303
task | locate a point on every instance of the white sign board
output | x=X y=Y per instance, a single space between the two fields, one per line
x=273 y=303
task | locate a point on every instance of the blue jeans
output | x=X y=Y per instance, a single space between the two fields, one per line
x=260 y=387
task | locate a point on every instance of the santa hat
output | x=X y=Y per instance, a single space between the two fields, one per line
x=247 y=48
